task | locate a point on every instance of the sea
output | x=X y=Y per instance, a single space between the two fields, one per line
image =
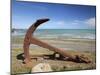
x=59 y=33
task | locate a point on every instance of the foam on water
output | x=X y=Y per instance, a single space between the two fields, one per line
x=60 y=33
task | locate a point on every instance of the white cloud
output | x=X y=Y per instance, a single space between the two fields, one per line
x=86 y=23
x=90 y=21
x=75 y=22
x=60 y=23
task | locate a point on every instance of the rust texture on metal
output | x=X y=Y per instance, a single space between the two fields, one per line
x=30 y=39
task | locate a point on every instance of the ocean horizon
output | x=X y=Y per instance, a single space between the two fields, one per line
x=59 y=33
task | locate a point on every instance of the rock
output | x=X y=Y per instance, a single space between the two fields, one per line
x=42 y=67
x=40 y=59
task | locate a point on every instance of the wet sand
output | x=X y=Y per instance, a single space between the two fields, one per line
x=66 y=44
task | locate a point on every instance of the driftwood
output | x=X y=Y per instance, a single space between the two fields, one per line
x=29 y=39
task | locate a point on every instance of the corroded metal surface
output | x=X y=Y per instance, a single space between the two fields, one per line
x=30 y=39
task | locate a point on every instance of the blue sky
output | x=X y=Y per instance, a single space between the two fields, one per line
x=62 y=16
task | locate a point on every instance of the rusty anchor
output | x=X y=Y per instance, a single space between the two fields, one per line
x=29 y=39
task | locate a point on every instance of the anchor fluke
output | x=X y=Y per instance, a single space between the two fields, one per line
x=40 y=21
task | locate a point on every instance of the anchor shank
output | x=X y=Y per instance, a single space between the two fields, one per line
x=50 y=47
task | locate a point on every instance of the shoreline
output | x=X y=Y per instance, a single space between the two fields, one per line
x=66 y=44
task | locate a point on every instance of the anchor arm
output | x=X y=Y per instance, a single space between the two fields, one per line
x=28 y=37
